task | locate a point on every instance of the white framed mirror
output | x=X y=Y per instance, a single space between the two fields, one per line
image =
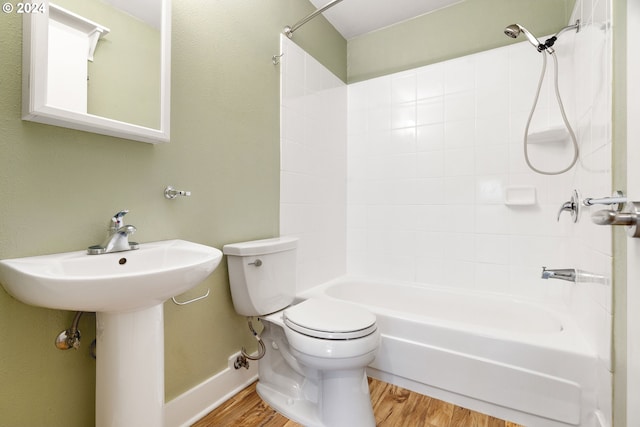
x=101 y=66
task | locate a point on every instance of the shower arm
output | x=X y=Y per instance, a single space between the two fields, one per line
x=551 y=40
x=289 y=30
x=575 y=26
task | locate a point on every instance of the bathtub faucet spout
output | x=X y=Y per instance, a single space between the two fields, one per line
x=568 y=274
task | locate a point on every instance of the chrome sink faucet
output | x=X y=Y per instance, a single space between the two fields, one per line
x=117 y=239
x=568 y=274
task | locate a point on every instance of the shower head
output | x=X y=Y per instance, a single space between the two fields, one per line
x=514 y=31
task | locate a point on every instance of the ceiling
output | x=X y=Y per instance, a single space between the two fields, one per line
x=355 y=17
x=350 y=17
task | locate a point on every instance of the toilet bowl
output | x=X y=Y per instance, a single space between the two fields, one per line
x=313 y=369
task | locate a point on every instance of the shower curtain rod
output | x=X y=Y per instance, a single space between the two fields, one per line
x=288 y=31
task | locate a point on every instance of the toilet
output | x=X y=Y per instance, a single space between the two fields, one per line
x=313 y=369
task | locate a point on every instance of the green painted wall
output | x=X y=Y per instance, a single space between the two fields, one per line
x=59 y=188
x=462 y=29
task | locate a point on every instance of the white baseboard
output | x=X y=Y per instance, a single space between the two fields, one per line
x=194 y=404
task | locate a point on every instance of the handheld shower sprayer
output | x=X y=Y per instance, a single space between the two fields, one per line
x=513 y=31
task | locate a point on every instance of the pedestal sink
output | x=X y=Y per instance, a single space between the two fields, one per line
x=126 y=290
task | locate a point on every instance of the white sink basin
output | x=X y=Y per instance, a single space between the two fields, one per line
x=120 y=281
x=127 y=291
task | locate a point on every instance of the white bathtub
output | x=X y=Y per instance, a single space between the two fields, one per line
x=508 y=358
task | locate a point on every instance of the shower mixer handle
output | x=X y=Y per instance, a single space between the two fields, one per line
x=572 y=206
x=568 y=207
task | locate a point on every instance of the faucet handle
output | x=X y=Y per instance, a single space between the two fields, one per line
x=117 y=219
x=568 y=207
x=572 y=206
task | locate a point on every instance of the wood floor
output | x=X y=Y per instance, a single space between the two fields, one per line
x=393 y=407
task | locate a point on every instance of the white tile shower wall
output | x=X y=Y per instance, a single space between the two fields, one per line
x=433 y=150
x=313 y=165
x=430 y=154
x=591 y=301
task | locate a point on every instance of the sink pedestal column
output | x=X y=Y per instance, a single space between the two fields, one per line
x=130 y=368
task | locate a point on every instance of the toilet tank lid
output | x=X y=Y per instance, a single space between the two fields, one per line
x=261 y=247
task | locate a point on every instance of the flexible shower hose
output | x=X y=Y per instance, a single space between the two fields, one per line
x=564 y=119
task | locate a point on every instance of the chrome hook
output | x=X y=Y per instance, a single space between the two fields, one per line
x=171 y=193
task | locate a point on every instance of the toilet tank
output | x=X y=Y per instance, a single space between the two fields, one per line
x=262 y=274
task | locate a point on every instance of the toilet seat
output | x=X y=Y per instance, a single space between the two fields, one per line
x=329 y=320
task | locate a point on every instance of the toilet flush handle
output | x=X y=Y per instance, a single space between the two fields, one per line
x=257 y=262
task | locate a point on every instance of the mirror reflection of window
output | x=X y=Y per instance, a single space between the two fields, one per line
x=123 y=80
